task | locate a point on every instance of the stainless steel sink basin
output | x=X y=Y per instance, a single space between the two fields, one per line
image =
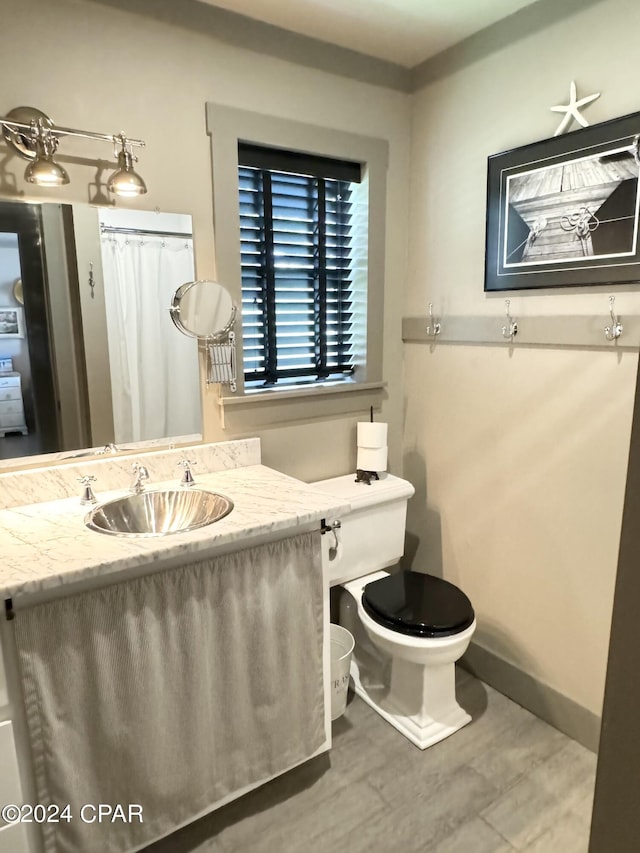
x=158 y=513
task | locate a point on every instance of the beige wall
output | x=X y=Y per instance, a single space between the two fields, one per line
x=96 y=68
x=519 y=456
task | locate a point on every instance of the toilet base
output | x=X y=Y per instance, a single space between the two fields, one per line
x=421 y=729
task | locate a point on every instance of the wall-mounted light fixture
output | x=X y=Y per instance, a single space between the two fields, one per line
x=125 y=181
x=35 y=137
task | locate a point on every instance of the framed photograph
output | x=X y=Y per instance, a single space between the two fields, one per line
x=564 y=212
x=11 y=323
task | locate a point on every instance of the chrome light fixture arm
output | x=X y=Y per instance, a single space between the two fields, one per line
x=15 y=123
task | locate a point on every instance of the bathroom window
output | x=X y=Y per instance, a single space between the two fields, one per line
x=300 y=263
x=319 y=360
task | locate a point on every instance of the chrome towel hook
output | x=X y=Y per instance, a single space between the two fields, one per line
x=613 y=331
x=510 y=330
x=433 y=329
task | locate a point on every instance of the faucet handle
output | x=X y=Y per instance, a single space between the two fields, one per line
x=187 y=477
x=87 y=496
x=140 y=475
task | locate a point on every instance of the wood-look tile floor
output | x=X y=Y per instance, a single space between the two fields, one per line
x=506 y=782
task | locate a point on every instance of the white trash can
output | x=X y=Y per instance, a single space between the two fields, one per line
x=342 y=644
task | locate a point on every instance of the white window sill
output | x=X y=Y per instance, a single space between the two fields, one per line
x=276 y=406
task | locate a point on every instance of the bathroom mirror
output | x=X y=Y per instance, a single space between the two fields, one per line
x=96 y=361
x=203 y=309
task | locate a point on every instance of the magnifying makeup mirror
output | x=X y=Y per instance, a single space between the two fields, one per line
x=205 y=310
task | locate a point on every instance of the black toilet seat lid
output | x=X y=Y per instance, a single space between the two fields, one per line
x=418 y=604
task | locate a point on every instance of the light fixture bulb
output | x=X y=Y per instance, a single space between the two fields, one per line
x=125 y=181
x=43 y=170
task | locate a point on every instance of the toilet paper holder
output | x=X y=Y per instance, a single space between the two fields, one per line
x=366 y=476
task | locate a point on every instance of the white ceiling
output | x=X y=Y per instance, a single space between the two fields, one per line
x=402 y=31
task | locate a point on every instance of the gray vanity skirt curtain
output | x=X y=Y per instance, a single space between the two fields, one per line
x=174 y=690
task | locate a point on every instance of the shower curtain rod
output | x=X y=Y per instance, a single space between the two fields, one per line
x=145 y=232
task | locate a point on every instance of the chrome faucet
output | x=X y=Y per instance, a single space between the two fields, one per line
x=187 y=477
x=141 y=475
x=87 y=496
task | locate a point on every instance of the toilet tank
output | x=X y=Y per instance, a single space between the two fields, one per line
x=372 y=534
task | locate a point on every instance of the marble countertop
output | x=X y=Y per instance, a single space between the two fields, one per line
x=46 y=545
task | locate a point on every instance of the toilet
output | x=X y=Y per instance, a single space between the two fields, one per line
x=410 y=628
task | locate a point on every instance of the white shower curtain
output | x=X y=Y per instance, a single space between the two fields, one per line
x=154 y=369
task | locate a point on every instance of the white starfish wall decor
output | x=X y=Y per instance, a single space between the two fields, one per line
x=572 y=109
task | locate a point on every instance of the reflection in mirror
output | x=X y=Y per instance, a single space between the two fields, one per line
x=203 y=309
x=155 y=387
x=90 y=357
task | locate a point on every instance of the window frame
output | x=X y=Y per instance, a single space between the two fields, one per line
x=227 y=126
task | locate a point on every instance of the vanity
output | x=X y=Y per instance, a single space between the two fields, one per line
x=49 y=554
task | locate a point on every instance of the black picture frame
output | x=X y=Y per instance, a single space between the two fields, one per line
x=563 y=212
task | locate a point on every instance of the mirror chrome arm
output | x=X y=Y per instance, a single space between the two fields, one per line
x=205 y=310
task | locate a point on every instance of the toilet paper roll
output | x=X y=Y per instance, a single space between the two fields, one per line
x=372 y=435
x=372 y=458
